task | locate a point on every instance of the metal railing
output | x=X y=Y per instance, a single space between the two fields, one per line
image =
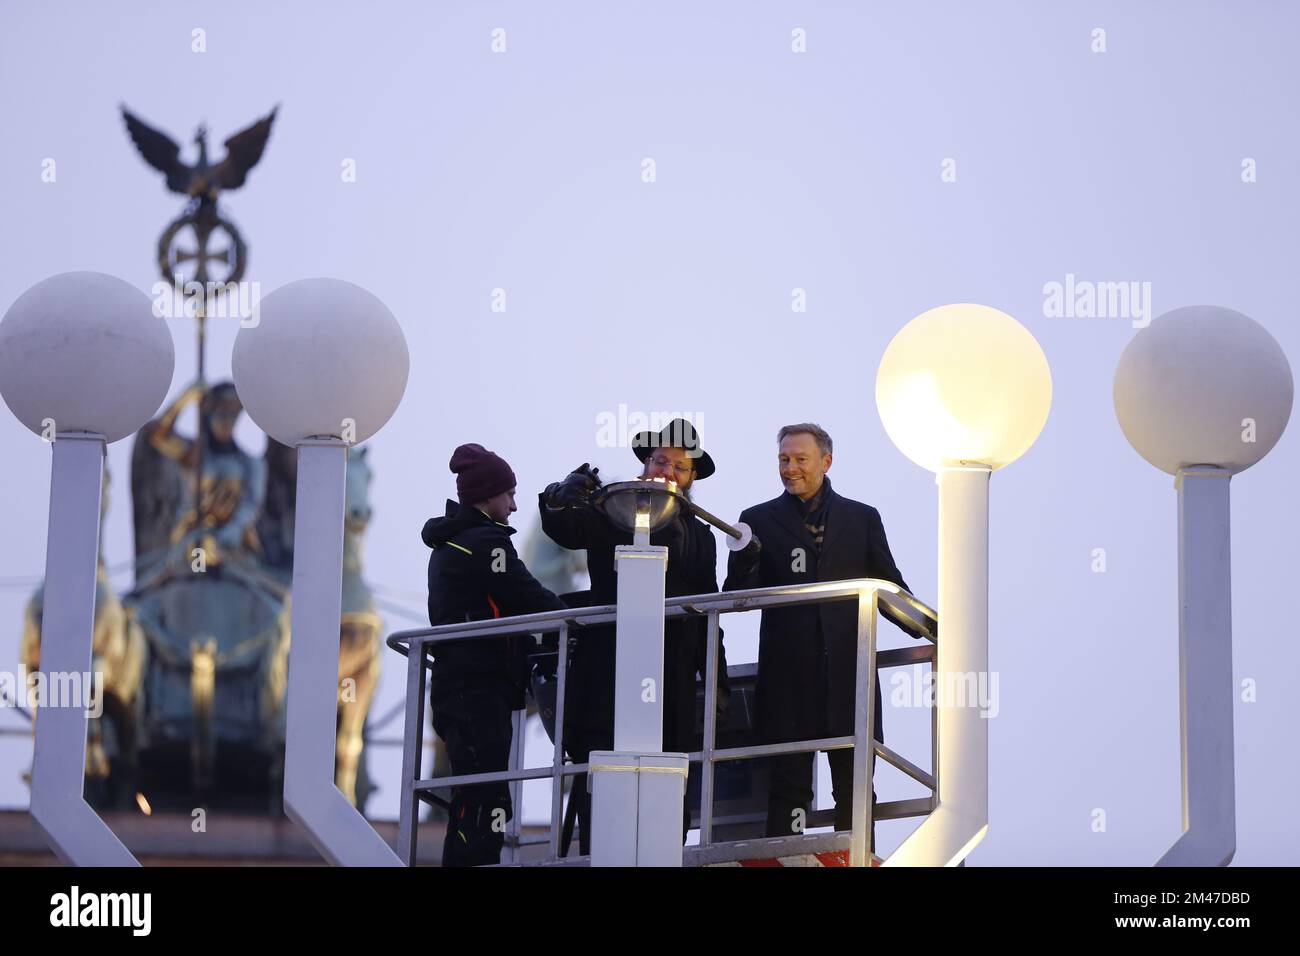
x=871 y=594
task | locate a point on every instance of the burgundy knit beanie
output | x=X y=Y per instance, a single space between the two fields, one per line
x=480 y=474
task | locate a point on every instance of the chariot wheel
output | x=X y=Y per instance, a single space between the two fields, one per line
x=202 y=246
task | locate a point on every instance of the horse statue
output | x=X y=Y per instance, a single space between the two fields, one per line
x=360 y=639
x=361 y=627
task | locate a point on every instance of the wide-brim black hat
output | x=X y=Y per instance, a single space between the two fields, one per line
x=678 y=433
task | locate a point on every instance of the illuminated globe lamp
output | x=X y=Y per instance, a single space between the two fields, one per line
x=324 y=367
x=1203 y=393
x=962 y=390
x=83 y=362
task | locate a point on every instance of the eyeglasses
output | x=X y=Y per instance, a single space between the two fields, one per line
x=662 y=462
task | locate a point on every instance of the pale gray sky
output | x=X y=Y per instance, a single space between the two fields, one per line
x=775 y=170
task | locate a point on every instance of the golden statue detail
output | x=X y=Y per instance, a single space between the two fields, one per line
x=232 y=484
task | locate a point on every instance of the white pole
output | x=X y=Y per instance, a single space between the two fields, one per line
x=637 y=790
x=58 y=807
x=960 y=819
x=1205 y=670
x=311 y=798
x=639 y=652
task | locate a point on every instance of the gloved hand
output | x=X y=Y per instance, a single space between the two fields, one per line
x=576 y=488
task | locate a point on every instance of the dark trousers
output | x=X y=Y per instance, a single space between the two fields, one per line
x=579 y=744
x=790 y=792
x=476 y=726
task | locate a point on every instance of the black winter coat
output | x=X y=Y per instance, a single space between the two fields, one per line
x=692 y=569
x=475 y=575
x=807 y=653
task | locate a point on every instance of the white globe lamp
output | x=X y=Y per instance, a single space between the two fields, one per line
x=326 y=359
x=1203 y=393
x=324 y=366
x=83 y=361
x=1203 y=385
x=963 y=383
x=962 y=390
x=83 y=352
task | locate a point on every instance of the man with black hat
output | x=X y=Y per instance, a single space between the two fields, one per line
x=475 y=574
x=570 y=520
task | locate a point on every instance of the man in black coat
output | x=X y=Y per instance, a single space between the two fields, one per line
x=807 y=654
x=570 y=519
x=476 y=684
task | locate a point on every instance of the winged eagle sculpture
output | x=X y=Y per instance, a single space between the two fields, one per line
x=203 y=181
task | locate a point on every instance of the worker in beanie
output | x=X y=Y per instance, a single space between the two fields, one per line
x=476 y=683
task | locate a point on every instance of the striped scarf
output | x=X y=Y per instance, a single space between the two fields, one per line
x=814 y=513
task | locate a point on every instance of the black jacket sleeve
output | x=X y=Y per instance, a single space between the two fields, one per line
x=432 y=603
x=567 y=527
x=878 y=553
x=510 y=582
x=882 y=561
